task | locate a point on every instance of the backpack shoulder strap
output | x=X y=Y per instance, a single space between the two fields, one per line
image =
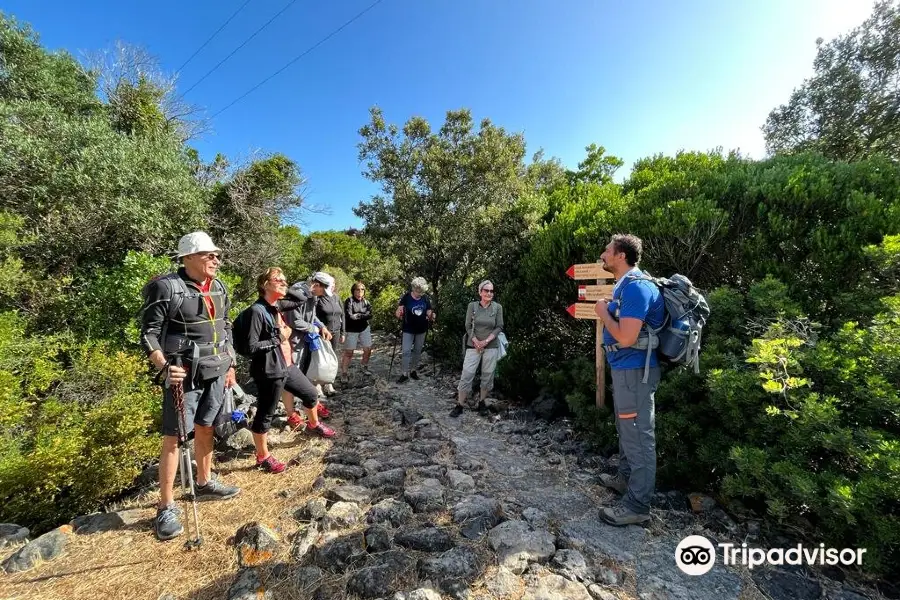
x=256 y=306
x=177 y=291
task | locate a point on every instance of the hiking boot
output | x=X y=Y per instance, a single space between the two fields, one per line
x=168 y=523
x=414 y=375
x=322 y=411
x=270 y=465
x=620 y=515
x=403 y=379
x=322 y=430
x=482 y=408
x=614 y=482
x=329 y=390
x=295 y=422
x=366 y=370
x=457 y=410
x=216 y=490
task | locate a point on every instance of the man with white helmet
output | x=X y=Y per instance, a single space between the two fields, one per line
x=185 y=314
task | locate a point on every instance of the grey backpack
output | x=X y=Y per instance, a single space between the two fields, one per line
x=678 y=339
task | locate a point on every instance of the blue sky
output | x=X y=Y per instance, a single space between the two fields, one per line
x=639 y=78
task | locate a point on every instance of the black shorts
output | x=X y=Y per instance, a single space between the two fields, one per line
x=269 y=394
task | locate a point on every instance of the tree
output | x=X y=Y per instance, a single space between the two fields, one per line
x=245 y=213
x=597 y=167
x=140 y=97
x=443 y=193
x=29 y=73
x=850 y=108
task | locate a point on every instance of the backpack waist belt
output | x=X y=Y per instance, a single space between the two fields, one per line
x=647 y=340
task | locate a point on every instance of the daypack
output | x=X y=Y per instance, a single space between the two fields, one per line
x=240 y=329
x=178 y=289
x=678 y=339
x=233 y=416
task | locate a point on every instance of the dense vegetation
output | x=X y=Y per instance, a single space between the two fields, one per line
x=796 y=411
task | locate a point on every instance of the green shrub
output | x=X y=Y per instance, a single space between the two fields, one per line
x=826 y=449
x=82 y=443
x=384 y=304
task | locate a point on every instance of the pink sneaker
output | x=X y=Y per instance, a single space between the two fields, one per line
x=322 y=430
x=323 y=411
x=270 y=465
x=295 y=422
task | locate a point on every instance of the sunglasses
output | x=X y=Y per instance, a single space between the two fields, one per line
x=210 y=256
x=281 y=280
x=491 y=291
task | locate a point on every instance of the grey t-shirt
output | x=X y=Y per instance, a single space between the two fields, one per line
x=485 y=321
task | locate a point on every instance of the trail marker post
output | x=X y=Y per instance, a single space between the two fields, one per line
x=585 y=310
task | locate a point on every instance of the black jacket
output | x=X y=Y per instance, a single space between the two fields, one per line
x=361 y=310
x=330 y=311
x=193 y=323
x=266 y=359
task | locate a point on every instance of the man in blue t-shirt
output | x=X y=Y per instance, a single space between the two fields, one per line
x=635 y=302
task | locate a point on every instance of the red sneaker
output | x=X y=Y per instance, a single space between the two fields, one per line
x=322 y=430
x=295 y=421
x=270 y=465
x=323 y=411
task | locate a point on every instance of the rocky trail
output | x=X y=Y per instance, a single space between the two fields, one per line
x=406 y=503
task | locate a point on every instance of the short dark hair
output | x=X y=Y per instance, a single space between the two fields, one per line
x=631 y=245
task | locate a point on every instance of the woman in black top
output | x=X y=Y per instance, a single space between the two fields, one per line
x=357 y=314
x=330 y=311
x=273 y=369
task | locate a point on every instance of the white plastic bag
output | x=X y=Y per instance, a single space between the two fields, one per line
x=502 y=345
x=323 y=365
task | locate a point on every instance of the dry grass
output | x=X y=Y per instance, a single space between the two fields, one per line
x=131 y=564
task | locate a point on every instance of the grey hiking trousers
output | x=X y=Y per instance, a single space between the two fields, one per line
x=412 y=350
x=635 y=423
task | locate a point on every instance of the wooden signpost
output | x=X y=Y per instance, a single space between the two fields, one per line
x=592 y=293
x=585 y=310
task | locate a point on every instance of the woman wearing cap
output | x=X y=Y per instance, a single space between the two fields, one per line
x=357 y=314
x=484 y=322
x=330 y=311
x=415 y=310
x=300 y=306
x=273 y=368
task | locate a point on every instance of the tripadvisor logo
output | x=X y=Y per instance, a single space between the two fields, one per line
x=696 y=555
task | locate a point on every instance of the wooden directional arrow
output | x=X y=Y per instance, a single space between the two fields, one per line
x=582 y=310
x=595 y=292
x=588 y=271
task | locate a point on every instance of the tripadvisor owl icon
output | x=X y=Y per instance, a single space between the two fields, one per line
x=695 y=555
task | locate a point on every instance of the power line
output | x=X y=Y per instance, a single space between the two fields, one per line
x=296 y=58
x=233 y=15
x=233 y=52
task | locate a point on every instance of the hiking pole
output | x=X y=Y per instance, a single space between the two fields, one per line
x=184 y=465
x=394 y=352
x=430 y=331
